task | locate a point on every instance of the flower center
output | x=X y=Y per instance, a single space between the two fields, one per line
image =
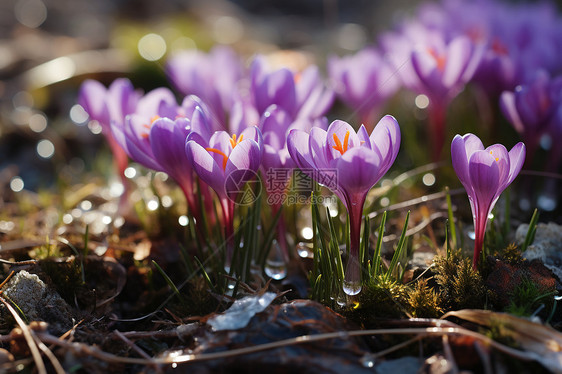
x=147 y=127
x=233 y=143
x=338 y=147
x=439 y=59
x=497 y=158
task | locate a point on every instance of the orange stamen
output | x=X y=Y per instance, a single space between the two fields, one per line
x=153 y=119
x=233 y=141
x=338 y=147
x=440 y=60
x=217 y=151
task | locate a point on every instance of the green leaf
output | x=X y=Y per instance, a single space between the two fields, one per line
x=399 y=249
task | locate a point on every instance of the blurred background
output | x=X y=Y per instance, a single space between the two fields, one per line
x=48 y=47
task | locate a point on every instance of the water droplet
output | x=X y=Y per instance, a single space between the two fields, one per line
x=471 y=234
x=341 y=299
x=368 y=360
x=304 y=250
x=275 y=264
x=351 y=288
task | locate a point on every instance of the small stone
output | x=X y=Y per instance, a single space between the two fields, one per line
x=38 y=303
x=546 y=246
x=5 y=356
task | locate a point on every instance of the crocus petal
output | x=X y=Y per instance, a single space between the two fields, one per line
x=167 y=140
x=363 y=135
x=501 y=157
x=241 y=166
x=385 y=139
x=246 y=155
x=509 y=110
x=459 y=51
x=484 y=177
x=318 y=149
x=205 y=167
x=200 y=123
x=150 y=104
x=516 y=161
x=276 y=88
x=122 y=99
x=340 y=129
x=139 y=153
x=358 y=170
x=297 y=144
x=91 y=97
x=459 y=159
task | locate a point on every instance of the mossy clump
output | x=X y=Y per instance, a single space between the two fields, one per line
x=461 y=286
x=381 y=298
x=424 y=301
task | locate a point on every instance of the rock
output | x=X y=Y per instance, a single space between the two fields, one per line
x=279 y=322
x=38 y=302
x=505 y=278
x=546 y=247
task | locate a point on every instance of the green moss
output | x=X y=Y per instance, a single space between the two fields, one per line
x=461 y=286
x=424 y=301
x=380 y=299
x=527 y=297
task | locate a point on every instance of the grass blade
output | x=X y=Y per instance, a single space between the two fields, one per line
x=399 y=248
x=531 y=231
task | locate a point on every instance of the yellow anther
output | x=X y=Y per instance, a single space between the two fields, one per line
x=233 y=141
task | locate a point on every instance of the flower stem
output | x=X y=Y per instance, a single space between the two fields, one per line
x=479 y=231
x=352 y=279
x=437 y=116
x=228 y=214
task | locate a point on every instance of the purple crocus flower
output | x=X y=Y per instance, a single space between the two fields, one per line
x=533 y=107
x=277 y=164
x=355 y=161
x=110 y=105
x=484 y=173
x=226 y=163
x=364 y=82
x=155 y=137
x=302 y=95
x=429 y=63
x=211 y=76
